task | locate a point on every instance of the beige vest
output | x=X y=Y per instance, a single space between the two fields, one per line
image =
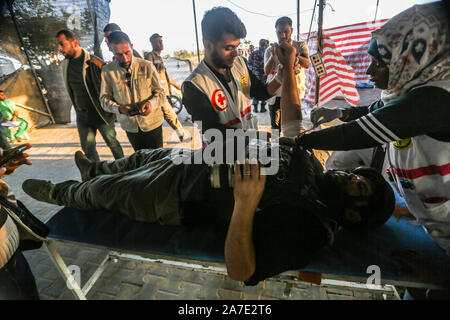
x=234 y=110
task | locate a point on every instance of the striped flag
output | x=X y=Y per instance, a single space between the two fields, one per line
x=346 y=60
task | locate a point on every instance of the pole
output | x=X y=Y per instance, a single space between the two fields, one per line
x=31 y=109
x=376 y=11
x=38 y=83
x=196 y=32
x=298 y=20
x=322 y=4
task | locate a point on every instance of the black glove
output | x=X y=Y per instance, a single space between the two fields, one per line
x=323 y=115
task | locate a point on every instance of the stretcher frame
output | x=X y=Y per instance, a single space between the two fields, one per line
x=114 y=255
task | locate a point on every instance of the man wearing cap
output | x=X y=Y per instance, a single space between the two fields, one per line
x=110 y=28
x=155 y=57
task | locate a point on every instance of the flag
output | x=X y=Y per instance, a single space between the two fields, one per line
x=346 y=60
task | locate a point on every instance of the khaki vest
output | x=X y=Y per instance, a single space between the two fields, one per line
x=233 y=111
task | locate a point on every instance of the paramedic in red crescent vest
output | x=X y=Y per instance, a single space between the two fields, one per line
x=218 y=91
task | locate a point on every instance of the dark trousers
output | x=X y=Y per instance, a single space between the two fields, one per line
x=275 y=114
x=255 y=105
x=87 y=133
x=152 y=139
x=16 y=280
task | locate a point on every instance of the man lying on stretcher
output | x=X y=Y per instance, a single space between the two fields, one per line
x=273 y=223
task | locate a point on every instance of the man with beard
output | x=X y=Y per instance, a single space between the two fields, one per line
x=283 y=27
x=218 y=91
x=132 y=90
x=81 y=73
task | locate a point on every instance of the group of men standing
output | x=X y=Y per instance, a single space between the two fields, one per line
x=134 y=90
x=128 y=89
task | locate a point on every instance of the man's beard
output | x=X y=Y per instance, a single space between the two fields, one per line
x=69 y=55
x=124 y=65
x=331 y=186
x=217 y=61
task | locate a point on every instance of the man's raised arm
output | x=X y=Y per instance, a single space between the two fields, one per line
x=291 y=114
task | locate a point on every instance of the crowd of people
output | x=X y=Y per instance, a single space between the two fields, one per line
x=301 y=206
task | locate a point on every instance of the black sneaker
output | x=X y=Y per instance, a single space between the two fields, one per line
x=40 y=190
x=83 y=165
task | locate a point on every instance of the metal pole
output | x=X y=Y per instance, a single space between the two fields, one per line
x=298 y=20
x=38 y=83
x=196 y=33
x=322 y=4
x=376 y=11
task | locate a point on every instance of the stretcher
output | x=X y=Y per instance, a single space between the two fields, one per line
x=354 y=257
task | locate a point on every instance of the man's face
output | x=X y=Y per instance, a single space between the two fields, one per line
x=284 y=33
x=67 y=47
x=2 y=96
x=379 y=73
x=123 y=52
x=224 y=51
x=158 y=44
x=352 y=184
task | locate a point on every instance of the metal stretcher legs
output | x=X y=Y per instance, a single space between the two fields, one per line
x=72 y=284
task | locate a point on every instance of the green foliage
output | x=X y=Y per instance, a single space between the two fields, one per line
x=183 y=54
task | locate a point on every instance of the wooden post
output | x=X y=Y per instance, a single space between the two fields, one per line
x=322 y=4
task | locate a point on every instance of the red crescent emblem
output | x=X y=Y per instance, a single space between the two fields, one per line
x=218 y=100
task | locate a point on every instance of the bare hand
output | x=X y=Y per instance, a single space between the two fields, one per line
x=125 y=110
x=146 y=108
x=249 y=186
x=286 y=54
x=15 y=162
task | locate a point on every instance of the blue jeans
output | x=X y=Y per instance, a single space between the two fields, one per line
x=87 y=133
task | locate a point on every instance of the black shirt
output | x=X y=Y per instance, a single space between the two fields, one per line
x=199 y=105
x=286 y=230
x=84 y=108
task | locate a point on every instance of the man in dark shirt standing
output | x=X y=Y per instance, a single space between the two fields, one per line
x=81 y=73
x=218 y=91
x=256 y=65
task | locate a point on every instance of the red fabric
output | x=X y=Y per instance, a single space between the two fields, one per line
x=345 y=58
x=424 y=171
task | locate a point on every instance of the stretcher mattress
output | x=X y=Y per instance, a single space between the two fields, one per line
x=351 y=254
